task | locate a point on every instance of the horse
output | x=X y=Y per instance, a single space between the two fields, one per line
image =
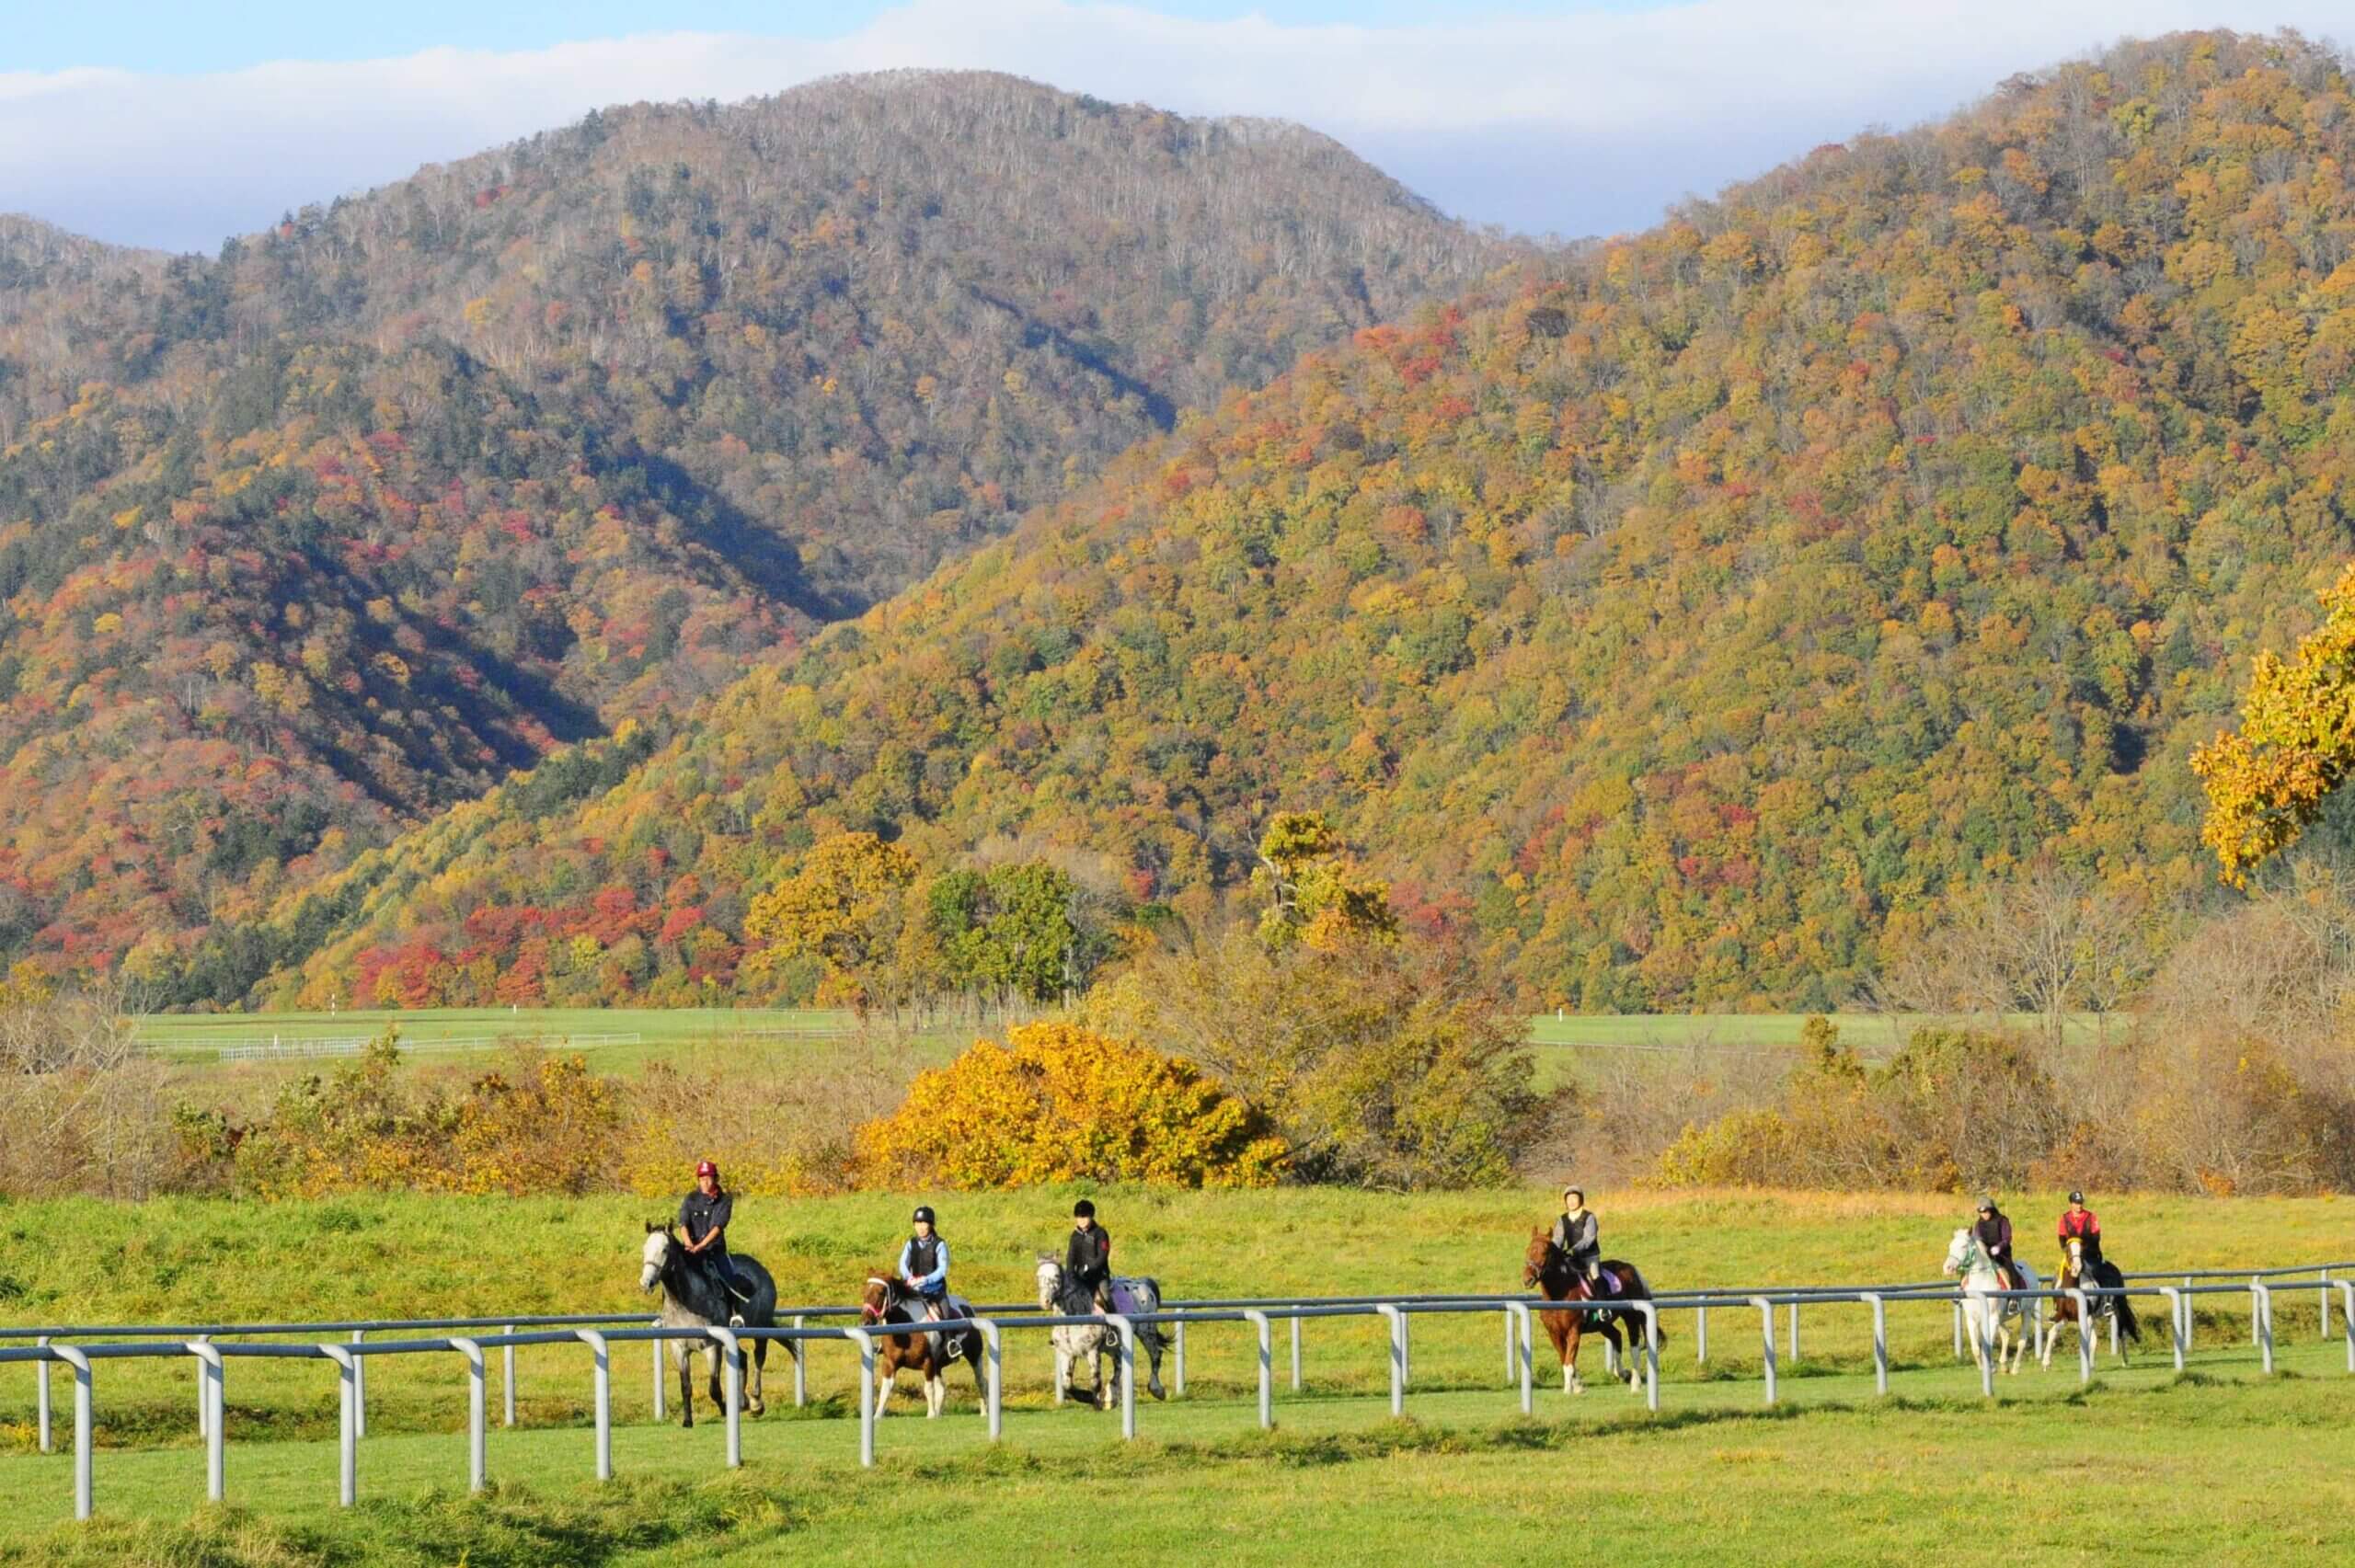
x=1548 y=1270
x=925 y=1351
x=1986 y=1315
x=2106 y=1273
x=693 y=1298
x=1068 y=1298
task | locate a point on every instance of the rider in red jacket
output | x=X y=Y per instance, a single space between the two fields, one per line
x=2078 y=1221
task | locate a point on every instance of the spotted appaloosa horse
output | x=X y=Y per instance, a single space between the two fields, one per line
x=692 y=1298
x=1548 y=1269
x=888 y=1302
x=2106 y=1273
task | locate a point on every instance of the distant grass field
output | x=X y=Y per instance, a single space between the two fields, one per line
x=1465 y=1480
x=1569 y=1048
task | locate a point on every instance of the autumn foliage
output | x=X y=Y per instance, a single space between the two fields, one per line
x=1058 y=1103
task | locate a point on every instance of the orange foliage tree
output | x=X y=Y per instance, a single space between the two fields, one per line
x=1058 y=1103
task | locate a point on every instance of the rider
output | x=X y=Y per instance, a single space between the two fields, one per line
x=1994 y=1230
x=2078 y=1221
x=923 y=1264
x=1579 y=1237
x=704 y=1215
x=1088 y=1259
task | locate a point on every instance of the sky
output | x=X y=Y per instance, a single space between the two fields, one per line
x=176 y=125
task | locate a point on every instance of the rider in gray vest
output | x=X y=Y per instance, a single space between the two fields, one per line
x=1578 y=1236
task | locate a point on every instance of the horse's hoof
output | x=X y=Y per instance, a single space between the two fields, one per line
x=1156 y=1390
x=755 y=1408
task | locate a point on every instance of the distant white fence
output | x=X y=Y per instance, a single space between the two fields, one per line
x=213 y=1346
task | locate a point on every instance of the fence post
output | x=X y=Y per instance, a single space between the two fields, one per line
x=1258 y=1321
x=1701 y=1333
x=1794 y=1351
x=81 y=1364
x=1391 y=1315
x=209 y=1405
x=993 y=1407
x=507 y=1379
x=347 y=1424
x=1128 y=1332
x=1766 y=1330
x=42 y=1391
x=1651 y=1354
x=358 y=1387
x=800 y=1368
x=656 y=1346
x=1511 y=1346
x=477 y=1446
x=2323 y=1296
x=2113 y=1331
x=2175 y=1322
x=604 y=1377
x=1177 y=1343
x=2252 y=1317
x=732 y=1351
x=1957 y=1329
x=1517 y=1312
x=2261 y=1319
x=1880 y=1340
x=1295 y=1353
x=868 y=1394
x=2085 y=1336
x=2347 y=1318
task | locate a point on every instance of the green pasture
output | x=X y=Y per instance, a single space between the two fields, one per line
x=1464 y=1480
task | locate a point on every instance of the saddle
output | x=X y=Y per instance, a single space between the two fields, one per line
x=945 y=1347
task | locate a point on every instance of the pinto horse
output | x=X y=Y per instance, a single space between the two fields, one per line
x=888 y=1303
x=1068 y=1298
x=693 y=1298
x=2106 y=1273
x=1548 y=1270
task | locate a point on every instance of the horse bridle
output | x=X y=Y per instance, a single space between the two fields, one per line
x=868 y=1310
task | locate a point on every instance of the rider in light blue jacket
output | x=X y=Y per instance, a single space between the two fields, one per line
x=924 y=1262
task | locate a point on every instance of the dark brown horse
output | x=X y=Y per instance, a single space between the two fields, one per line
x=1549 y=1272
x=888 y=1302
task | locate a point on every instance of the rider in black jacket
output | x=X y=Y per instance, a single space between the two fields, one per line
x=1087 y=1260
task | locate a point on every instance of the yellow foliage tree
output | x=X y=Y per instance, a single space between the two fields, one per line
x=1315 y=895
x=2267 y=780
x=1058 y=1103
x=841 y=907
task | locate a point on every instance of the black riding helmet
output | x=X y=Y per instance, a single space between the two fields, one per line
x=2077 y=1198
x=1083 y=1209
x=923 y=1212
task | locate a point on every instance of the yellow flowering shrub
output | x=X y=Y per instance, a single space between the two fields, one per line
x=1058 y=1103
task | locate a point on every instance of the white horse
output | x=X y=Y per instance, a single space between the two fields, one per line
x=1986 y=1314
x=1075 y=1344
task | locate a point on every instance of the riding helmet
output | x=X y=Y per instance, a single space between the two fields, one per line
x=1083 y=1209
x=2076 y=1197
x=1986 y=1202
x=923 y=1212
x=706 y=1168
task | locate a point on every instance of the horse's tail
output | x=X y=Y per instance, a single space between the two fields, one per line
x=2127 y=1322
x=1639 y=1290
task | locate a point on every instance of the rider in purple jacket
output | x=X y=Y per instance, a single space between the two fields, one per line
x=1994 y=1230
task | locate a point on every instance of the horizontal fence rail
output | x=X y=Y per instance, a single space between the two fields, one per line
x=211 y=1346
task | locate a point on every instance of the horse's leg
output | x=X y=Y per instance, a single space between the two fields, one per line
x=886 y=1372
x=1571 y=1384
x=1062 y=1367
x=684 y=1357
x=760 y=1359
x=935 y=1393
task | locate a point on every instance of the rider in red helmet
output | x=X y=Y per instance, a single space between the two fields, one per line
x=704 y=1215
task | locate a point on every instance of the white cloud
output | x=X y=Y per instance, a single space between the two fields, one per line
x=1572 y=122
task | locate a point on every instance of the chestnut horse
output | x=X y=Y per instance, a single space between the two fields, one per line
x=888 y=1301
x=1548 y=1270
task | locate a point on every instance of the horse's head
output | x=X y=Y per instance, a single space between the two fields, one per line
x=881 y=1295
x=657 y=1255
x=1050 y=1282
x=1960 y=1250
x=1539 y=1257
x=2076 y=1267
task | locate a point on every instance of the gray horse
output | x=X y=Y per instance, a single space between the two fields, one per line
x=692 y=1298
x=1068 y=1298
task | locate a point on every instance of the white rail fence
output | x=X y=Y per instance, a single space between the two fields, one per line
x=213 y=1347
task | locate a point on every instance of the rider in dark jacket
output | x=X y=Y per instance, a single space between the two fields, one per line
x=1087 y=1260
x=1578 y=1236
x=1994 y=1230
x=704 y=1215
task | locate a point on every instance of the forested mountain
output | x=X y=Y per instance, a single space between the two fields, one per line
x=303 y=543
x=1683 y=628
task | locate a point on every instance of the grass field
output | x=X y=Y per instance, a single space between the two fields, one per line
x=2214 y=1467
